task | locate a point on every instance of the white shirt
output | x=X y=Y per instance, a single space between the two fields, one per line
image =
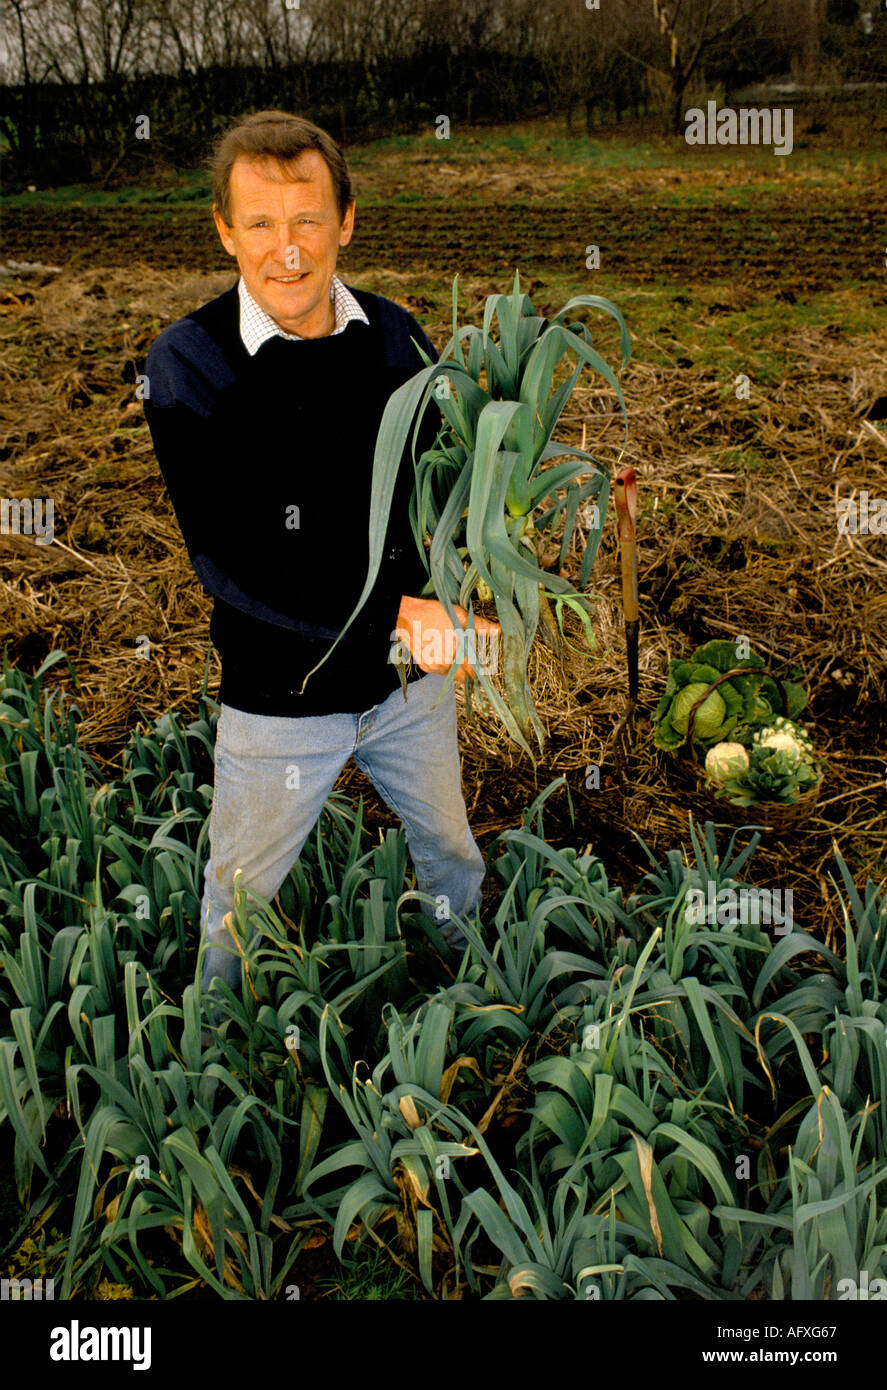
x=256 y=327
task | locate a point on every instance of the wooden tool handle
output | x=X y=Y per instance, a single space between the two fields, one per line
x=625 y=495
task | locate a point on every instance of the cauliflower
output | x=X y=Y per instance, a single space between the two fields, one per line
x=725 y=760
x=784 y=742
x=783 y=735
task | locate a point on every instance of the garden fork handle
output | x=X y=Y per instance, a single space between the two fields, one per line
x=625 y=495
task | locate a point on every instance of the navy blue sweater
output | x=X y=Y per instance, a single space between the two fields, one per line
x=268 y=463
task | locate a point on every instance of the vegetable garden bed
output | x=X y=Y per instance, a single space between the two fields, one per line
x=612 y=1098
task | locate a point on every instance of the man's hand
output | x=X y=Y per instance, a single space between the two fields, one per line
x=424 y=625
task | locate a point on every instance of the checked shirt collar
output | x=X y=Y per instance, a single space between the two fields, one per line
x=256 y=327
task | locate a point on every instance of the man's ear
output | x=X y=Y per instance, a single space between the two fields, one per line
x=224 y=231
x=347 y=227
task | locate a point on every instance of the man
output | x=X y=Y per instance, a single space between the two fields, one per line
x=264 y=406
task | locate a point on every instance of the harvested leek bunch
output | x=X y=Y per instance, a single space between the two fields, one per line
x=487 y=494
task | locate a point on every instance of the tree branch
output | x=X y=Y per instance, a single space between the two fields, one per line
x=635 y=59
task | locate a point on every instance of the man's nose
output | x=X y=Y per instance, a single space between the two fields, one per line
x=288 y=248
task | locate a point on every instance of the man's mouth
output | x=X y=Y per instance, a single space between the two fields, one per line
x=289 y=279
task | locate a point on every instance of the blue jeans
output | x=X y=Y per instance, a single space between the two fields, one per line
x=274 y=774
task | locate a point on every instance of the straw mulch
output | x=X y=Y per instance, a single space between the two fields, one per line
x=737 y=535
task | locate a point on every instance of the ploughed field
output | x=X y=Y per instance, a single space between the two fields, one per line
x=796 y=241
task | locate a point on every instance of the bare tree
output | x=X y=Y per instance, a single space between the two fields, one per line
x=18 y=43
x=688 y=31
x=582 y=53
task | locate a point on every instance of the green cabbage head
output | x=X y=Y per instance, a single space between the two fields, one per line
x=715 y=717
x=743 y=703
x=709 y=716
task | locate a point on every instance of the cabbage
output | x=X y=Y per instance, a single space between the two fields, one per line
x=718 y=714
x=745 y=699
x=709 y=716
x=725 y=760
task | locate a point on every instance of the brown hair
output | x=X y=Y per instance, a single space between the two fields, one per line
x=275 y=135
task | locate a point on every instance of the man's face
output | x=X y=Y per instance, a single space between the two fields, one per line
x=286 y=236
